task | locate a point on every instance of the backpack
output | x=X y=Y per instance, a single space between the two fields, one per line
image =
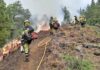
x=30 y=29
x=56 y=25
x=29 y=36
x=34 y=35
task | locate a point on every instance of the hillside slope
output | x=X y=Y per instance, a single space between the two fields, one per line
x=71 y=42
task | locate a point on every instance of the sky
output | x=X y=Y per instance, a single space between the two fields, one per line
x=52 y=7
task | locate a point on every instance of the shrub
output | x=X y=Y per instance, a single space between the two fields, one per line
x=77 y=64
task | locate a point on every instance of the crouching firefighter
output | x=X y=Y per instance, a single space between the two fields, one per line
x=26 y=38
x=82 y=20
x=54 y=25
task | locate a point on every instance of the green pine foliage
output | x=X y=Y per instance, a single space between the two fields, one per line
x=92 y=13
x=66 y=14
x=17 y=14
x=10 y=22
x=4 y=23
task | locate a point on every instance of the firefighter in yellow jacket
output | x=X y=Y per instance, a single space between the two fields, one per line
x=54 y=25
x=82 y=20
x=26 y=38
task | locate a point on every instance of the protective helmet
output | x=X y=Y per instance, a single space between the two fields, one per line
x=27 y=22
x=55 y=19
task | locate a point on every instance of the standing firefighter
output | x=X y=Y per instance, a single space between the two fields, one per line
x=54 y=25
x=51 y=26
x=76 y=20
x=26 y=38
x=82 y=21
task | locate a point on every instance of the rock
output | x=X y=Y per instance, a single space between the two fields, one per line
x=98 y=40
x=79 y=48
x=62 y=45
x=97 y=53
x=91 y=45
x=98 y=25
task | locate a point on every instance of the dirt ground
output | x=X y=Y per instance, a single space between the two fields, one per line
x=55 y=49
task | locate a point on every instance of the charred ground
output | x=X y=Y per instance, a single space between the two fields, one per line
x=66 y=49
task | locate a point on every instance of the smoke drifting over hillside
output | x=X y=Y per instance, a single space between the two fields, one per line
x=52 y=7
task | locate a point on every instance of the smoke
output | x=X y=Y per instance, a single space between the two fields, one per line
x=42 y=26
x=41 y=23
x=52 y=7
x=42 y=9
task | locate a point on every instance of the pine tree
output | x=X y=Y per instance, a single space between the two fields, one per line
x=66 y=14
x=4 y=23
x=17 y=14
x=93 y=3
x=98 y=2
x=92 y=13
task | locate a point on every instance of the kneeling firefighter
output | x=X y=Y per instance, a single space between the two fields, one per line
x=26 y=38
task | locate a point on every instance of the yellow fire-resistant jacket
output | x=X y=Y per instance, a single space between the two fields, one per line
x=82 y=19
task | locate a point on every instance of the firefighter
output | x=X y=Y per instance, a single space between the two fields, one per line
x=82 y=21
x=76 y=20
x=55 y=25
x=26 y=38
x=50 y=24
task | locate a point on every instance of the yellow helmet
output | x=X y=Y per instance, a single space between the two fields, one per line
x=27 y=22
x=55 y=19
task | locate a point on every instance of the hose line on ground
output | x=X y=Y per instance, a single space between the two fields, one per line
x=43 y=53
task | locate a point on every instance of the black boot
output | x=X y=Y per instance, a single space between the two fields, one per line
x=26 y=57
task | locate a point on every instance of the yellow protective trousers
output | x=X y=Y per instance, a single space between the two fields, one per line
x=26 y=48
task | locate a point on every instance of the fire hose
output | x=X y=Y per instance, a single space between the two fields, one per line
x=46 y=43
